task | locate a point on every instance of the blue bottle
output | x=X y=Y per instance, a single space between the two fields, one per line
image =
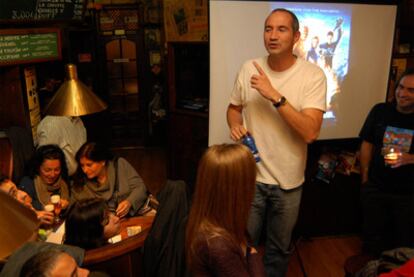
x=248 y=140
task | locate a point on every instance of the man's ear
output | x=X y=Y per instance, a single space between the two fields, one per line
x=296 y=36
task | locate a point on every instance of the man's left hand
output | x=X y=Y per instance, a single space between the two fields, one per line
x=262 y=84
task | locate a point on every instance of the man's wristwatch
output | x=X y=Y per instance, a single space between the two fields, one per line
x=282 y=101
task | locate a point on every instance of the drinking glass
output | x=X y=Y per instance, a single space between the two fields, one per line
x=391 y=153
x=55 y=200
x=49 y=208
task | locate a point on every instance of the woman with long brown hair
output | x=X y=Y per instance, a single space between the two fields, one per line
x=115 y=180
x=216 y=236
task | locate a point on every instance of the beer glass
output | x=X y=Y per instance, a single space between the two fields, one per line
x=49 y=208
x=55 y=200
x=391 y=153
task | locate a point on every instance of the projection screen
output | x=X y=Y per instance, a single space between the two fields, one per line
x=357 y=77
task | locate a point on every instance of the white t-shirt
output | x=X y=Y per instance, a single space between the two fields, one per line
x=281 y=149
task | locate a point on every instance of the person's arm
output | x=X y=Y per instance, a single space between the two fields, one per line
x=338 y=29
x=307 y=122
x=366 y=153
x=222 y=259
x=339 y=34
x=129 y=180
x=235 y=122
x=254 y=263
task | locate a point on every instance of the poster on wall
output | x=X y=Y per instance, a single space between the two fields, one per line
x=186 y=20
x=32 y=100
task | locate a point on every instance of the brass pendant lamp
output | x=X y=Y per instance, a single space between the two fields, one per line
x=73 y=98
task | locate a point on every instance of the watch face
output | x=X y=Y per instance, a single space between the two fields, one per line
x=281 y=102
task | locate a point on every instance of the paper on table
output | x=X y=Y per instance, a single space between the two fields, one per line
x=133 y=230
x=57 y=236
x=115 y=239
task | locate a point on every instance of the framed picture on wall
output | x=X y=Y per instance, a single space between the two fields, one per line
x=154 y=57
x=152 y=38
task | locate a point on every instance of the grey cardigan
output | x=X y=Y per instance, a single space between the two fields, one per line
x=130 y=186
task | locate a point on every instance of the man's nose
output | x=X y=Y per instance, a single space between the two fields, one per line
x=274 y=35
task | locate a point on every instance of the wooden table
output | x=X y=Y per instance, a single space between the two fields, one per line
x=123 y=258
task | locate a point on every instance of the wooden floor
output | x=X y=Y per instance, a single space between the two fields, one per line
x=323 y=256
x=317 y=257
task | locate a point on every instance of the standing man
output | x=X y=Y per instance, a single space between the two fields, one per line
x=280 y=100
x=67 y=132
x=387 y=171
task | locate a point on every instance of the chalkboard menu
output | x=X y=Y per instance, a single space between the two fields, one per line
x=18 y=10
x=29 y=45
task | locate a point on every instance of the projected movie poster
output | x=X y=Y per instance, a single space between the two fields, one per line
x=325 y=41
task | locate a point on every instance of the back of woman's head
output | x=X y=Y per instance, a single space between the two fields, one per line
x=48 y=152
x=224 y=191
x=94 y=151
x=84 y=223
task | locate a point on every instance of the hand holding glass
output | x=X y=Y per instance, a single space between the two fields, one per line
x=391 y=155
x=48 y=218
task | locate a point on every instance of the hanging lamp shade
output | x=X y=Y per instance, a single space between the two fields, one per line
x=73 y=98
x=19 y=224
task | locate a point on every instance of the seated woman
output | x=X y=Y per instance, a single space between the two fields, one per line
x=114 y=180
x=89 y=224
x=48 y=174
x=10 y=188
x=216 y=240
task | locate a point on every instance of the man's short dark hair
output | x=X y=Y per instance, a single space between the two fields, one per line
x=330 y=33
x=407 y=72
x=41 y=264
x=295 y=21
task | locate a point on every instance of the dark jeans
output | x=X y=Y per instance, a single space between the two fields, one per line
x=387 y=219
x=281 y=208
